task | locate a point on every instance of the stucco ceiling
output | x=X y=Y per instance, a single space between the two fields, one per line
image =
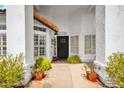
x=60 y=9
x=59 y=14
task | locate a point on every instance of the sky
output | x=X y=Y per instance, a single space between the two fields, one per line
x=2 y=6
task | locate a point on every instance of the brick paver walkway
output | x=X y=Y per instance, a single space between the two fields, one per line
x=63 y=75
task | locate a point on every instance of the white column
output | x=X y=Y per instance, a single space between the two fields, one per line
x=48 y=44
x=100 y=35
x=20 y=34
x=29 y=41
x=114 y=29
x=109 y=31
x=100 y=44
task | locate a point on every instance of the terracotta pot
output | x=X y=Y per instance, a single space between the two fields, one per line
x=87 y=74
x=92 y=76
x=39 y=75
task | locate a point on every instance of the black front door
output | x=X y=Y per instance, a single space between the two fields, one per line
x=62 y=47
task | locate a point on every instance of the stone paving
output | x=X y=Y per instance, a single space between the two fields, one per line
x=64 y=75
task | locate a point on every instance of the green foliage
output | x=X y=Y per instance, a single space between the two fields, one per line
x=115 y=68
x=73 y=59
x=44 y=64
x=11 y=70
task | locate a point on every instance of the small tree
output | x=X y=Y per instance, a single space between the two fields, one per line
x=115 y=68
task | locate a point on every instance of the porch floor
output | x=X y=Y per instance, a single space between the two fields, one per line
x=64 y=75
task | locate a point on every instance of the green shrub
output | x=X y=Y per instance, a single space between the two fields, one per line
x=73 y=59
x=115 y=68
x=43 y=64
x=11 y=70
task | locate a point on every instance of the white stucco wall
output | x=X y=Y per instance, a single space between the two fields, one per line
x=88 y=28
x=114 y=29
x=15 y=29
x=74 y=27
x=81 y=23
x=75 y=22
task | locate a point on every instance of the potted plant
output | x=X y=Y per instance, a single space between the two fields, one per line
x=115 y=68
x=41 y=65
x=74 y=59
x=90 y=75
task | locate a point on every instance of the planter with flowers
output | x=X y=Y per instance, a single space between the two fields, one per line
x=40 y=67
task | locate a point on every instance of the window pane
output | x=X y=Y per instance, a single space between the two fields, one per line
x=0 y=40
x=94 y=44
x=0 y=51
x=74 y=44
x=4 y=52
x=90 y=44
x=3 y=48
x=2 y=20
x=42 y=51
x=35 y=51
x=87 y=44
x=35 y=39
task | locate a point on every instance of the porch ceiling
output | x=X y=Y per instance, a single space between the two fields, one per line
x=60 y=9
x=59 y=15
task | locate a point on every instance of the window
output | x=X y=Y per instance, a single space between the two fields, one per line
x=39 y=29
x=39 y=45
x=90 y=44
x=74 y=44
x=2 y=27
x=2 y=19
x=3 y=48
x=63 y=41
x=53 y=46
